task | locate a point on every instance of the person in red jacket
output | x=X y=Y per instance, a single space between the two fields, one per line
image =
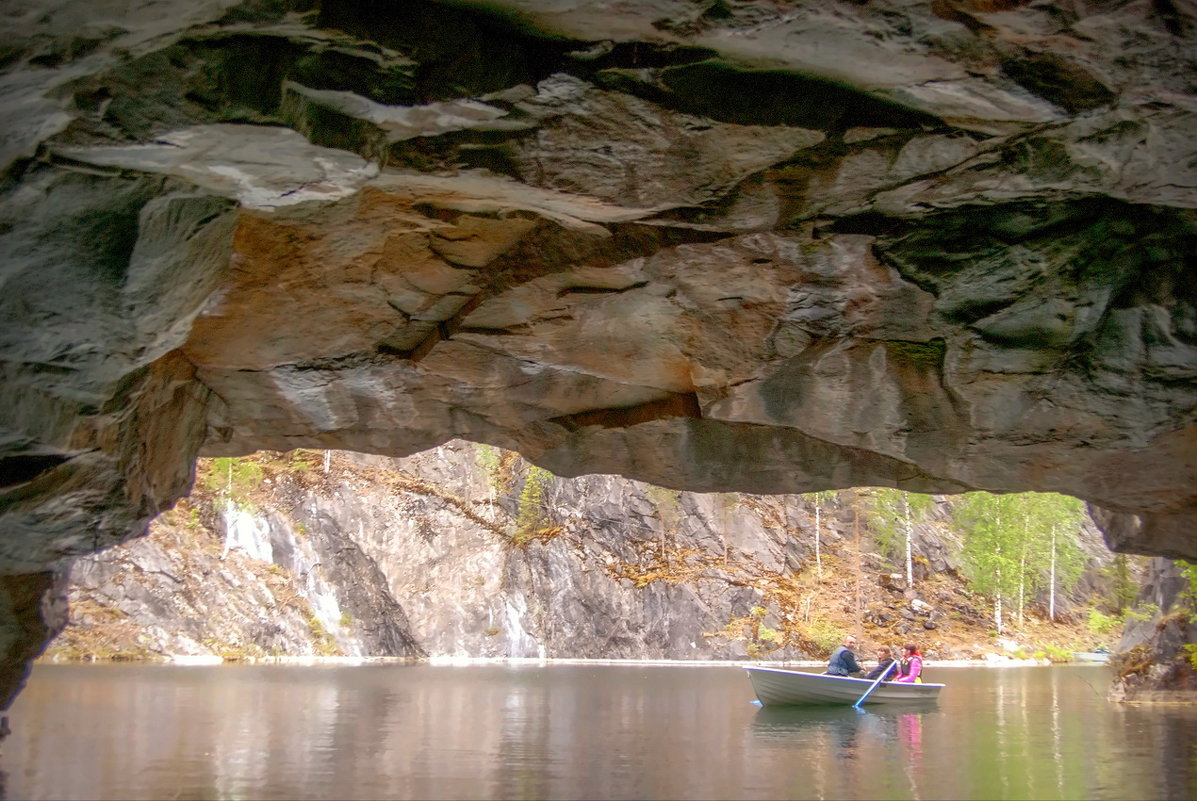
x=910 y=668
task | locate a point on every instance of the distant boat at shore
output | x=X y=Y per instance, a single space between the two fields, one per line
x=1091 y=656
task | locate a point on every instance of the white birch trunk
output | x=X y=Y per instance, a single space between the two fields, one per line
x=1051 y=597
x=1022 y=580
x=997 y=603
x=909 y=541
x=818 y=555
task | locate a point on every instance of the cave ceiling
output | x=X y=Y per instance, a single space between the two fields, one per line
x=759 y=245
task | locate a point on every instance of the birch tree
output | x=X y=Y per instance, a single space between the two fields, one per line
x=1056 y=522
x=990 y=554
x=892 y=515
x=820 y=498
x=1015 y=545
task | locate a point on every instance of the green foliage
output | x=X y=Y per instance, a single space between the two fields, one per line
x=1188 y=570
x=487 y=457
x=991 y=541
x=302 y=460
x=322 y=641
x=1063 y=516
x=531 y=516
x=1053 y=653
x=1190 y=649
x=665 y=499
x=502 y=468
x=668 y=503
x=1102 y=624
x=883 y=515
x=1010 y=541
x=928 y=355
x=1141 y=613
x=233 y=478
x=822 y=497
x=1122 y=586
x=346 y=620
x=889 y=512
x=824 y=634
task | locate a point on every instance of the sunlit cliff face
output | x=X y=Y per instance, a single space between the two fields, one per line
x=725 y=245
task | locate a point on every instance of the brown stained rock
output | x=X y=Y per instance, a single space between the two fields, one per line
x=262 y=320
x=33 y=610
x=127 y=463
x=777 y=248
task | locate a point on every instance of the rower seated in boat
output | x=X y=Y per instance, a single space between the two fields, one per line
x=843 y=659
x=885 y=658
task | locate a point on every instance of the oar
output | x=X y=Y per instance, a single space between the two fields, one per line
x=873 y=686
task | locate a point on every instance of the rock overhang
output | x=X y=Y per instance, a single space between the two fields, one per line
x=717 y=245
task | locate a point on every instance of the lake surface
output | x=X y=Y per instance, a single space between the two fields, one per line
x=576 y=731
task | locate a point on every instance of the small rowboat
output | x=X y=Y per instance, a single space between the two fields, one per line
x=776 y=687
x=1091 y=656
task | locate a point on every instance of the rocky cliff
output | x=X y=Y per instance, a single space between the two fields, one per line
x=468 y=551
x=716 y=245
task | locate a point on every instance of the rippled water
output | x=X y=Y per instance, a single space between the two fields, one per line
x=576 y=731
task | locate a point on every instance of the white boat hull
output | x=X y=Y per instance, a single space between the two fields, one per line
x=777 y=687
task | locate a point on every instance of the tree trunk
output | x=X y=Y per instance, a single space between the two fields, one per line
x=856 y=533
x=1022 y=579
x=818 y=555
x=997 y=603
x=1051 y=596
x=909 y=541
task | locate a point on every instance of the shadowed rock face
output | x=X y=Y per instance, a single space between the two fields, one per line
x=721 y=245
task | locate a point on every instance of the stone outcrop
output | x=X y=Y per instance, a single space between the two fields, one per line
x=1157 y=656
x=465 y=551
x=719 y=245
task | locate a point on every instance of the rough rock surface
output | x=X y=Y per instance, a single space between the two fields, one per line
x=1156 y=656
x=463 y=551
x=713 y=244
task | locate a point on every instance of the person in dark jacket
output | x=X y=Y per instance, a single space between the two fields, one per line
x=885 y=658
x=843 y=659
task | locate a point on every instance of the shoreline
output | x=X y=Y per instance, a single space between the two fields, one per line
x=208 y=660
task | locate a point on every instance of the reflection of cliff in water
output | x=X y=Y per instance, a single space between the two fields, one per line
x=889 y=736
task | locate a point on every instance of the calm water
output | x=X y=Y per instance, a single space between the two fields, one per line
x=576 y=731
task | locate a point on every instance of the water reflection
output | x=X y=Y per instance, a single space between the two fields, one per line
x=601 y=732
x=886 y=740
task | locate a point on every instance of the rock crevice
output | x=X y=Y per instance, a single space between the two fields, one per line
x=941 y=247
